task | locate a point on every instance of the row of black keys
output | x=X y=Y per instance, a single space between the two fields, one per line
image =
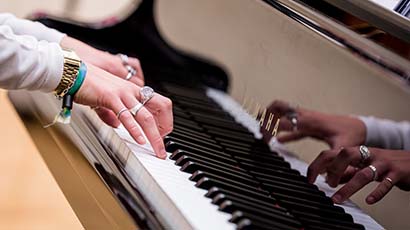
x=241 y=174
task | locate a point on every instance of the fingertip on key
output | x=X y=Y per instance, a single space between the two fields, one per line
x=370 y=200
x=337 y=199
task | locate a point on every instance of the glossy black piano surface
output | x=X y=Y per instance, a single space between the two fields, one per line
x=241 y=175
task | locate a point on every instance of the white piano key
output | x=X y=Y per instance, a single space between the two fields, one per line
x=170 y=191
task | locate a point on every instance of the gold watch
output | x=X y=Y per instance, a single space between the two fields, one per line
x=72 y=65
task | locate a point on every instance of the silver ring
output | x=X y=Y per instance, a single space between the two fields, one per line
x=121 y=111
x=124 y=59
x=389 y=180
x=131 y=72
x=134 y=110
x=374 y=171
x=293 y=118
x=146 y=93
x=364 y=153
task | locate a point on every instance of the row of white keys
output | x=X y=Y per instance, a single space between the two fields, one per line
x=170 y=192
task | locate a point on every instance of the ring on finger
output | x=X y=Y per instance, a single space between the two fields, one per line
x=134 y=110
x=146 y=93
x=389 y=180
x=374 y=171
x=293 y=118
x=364 y=153
x=121 y=111
x=124 y=59
x=131 y=72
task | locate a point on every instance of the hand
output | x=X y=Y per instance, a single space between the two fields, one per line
x=104 y=60
x=393 y=164
x=336 y=130
x=102 y=89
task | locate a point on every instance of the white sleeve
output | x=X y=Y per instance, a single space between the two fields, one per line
x=26 y=63
x=27 y=27
x=386 y=133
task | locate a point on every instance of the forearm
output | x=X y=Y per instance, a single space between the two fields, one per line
x=26 y=63
x=27 y=27
x=386 y=133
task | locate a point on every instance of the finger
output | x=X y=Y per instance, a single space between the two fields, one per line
x=148 y=124
x=346 y=157
x=288 y=137
x=382 y=189
x=128 y=120
x=107 y=116
x=161 y=108
x=139 y=82
x=319 y=164
x=359 y=180
x=348 y=174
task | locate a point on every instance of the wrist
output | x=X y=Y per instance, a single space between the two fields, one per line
x=72 y=64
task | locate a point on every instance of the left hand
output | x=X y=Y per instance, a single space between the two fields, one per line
x=104 y=60
x=393 y=164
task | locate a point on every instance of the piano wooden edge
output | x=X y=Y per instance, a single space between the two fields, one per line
x=92 y=201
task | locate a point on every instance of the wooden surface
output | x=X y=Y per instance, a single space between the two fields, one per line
x=29 y=195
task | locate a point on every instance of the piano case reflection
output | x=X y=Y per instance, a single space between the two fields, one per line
x=229 y=178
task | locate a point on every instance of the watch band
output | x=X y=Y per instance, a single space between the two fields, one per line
x=72 y=65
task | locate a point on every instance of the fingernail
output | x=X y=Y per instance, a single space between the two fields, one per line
x=141 y=140
x=337 y=199
x=370 y=200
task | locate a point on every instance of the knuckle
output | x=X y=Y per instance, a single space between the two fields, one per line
x=147 y=118
x=134 y=129
x=364 y=176
x=168 y=103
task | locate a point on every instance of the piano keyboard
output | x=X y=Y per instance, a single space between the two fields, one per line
x=229 y=178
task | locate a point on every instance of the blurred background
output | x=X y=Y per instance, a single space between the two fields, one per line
x=262 y=63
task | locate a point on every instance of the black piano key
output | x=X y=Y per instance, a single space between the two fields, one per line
x=195 y=164
x=190 y=136
x=278 y=176
x=260 y=222
x=289 y=197
x=197 y=175
x=213 y=156
x=196 y=142
x=289 y=173
x=277 y=189
x=273 y=215
x=191 y=132
x=320 y=210
x=264 y=163
x=221 y=198
x=172 y=146
x=264 y=198
x=194 y=127
x=312 y=223
x=229 y=134
x=207 y=183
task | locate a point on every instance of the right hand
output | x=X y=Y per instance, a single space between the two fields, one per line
x=335 y=130
x=111 y=94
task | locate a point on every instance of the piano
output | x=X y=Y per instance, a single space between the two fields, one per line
x=219 y=173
